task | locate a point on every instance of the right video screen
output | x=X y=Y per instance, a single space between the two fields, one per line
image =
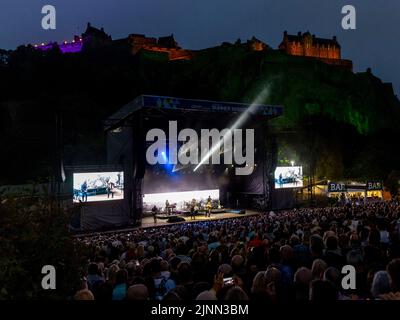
x=288 y=177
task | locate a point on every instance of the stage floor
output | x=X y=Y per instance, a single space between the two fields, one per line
x=148 y=222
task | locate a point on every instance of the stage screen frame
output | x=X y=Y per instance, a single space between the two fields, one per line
x=97 y=189
x=286 y=176
x=179 y=197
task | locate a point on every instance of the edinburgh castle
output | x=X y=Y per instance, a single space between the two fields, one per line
x=303 y=44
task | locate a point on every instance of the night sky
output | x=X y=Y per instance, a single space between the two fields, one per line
x=204 y=23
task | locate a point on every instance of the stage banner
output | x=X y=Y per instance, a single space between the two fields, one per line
x=337 y=187
x=209 y=106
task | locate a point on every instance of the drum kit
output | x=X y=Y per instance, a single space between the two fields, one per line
x=170 y=208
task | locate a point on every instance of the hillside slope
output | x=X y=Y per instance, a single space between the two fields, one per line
x=348 y=121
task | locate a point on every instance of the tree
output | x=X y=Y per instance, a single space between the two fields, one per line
x=393 y=183
x=34 y=233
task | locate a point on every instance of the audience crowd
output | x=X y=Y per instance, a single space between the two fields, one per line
x=292 y=255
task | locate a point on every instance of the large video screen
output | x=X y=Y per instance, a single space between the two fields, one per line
x=98 y=186
x=178 y=199
x=288 y=177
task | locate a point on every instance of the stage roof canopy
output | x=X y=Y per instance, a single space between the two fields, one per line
x=185 y=105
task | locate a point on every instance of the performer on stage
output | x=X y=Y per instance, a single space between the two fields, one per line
x=193 y=210
x=154 y=211
x=192 y=214
x=208 y=208
x=168 y=207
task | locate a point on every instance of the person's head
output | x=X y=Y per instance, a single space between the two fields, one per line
x=258 y=282
x=273 y=275
x=103 y=292
x=354 y=258
x=331 y=242
x=200 y=287
x=184 y=272
x=164 y=265
x=354 y=240
x=294 y=240
x=273 y=280
x=226 y=269
x=177 y=294
x=173 y=263
x=303 y=277
x=155 y=266
x=286 y=252
x=237 y=263
x=316 y=245
x=206 y=295
x=84 y=294
x=236 y=294
x=121 y=277
x=323 y=291
x=380 y=284
x=318 y=268
x=112 y=273
x=93 y=269
x=374 y=238
x=328 y=234
x=393 y=269
x=137 y=292
x=140 y=251
x=333 y=275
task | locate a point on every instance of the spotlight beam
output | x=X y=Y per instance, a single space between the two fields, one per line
x=242 y=118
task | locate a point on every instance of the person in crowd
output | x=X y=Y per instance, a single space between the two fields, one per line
x=236 y=293
x=84 y=294
x=290 y=255
x=302 y=279
x=318 y=268
x=119 y=291
x=380 y=284
x=161 y=281
x=323 y=291
x=137 y=292
x=94 y=277
x=393 y=269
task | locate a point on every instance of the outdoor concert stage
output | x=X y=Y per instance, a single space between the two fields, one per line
x=232 y=155
x=148 y=222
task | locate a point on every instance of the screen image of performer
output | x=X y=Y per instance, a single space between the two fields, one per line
x=110 y=189
x=84 y=191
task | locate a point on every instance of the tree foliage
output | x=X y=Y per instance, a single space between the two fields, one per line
x=34 y=233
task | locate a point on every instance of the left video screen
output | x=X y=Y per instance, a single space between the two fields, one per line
x=98 y=186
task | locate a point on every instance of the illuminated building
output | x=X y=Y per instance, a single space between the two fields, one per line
x=307 y=45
